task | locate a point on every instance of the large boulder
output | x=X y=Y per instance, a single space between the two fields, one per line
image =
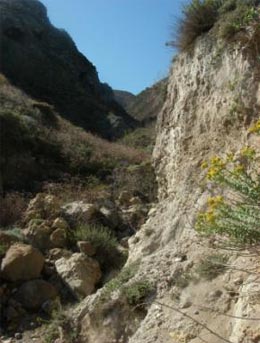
x=22 y=262
x=80 y=273
x=33 y=294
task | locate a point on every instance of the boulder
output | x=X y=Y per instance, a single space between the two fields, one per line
x=79 y=211
x=42 y=206
x=60 y=223
x=22 y=262
x=80 y=273
x=86 y=247
x=33 y=294
x=58 y=238
x=38 y=233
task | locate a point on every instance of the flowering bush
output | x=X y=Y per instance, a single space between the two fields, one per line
x=237 y=214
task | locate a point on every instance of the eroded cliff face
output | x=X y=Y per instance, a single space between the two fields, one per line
x=213 y=96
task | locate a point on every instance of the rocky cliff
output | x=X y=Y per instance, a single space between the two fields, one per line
x=213 y=95
x=44 y=62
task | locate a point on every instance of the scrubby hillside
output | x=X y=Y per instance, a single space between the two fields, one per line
x=44 y=61
x=145 y=106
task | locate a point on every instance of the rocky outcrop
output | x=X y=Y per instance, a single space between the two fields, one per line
x=44 y=62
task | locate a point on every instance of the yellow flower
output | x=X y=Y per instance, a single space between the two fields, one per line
x=230 y=157
x=204 y=165
x=213 y=202
x=239 y=169
x=210 y=217
x=213 y=172
x=248 y=151
x=255 y=128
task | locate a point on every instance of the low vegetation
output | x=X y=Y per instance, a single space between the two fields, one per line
x=235 y=214
x=105 y=243
x=200 y=16
x=137 y=291
x=212 y=266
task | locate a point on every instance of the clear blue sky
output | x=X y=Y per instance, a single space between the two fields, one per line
x=124 y=39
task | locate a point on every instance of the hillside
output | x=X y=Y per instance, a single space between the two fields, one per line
x=123 y=97
x=145 y=106
x=45 y=62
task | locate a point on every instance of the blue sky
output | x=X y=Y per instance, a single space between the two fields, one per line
x=124 y=39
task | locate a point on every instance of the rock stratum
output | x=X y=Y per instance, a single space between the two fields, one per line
x=45 y=62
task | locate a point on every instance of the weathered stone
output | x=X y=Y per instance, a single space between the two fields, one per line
x=86 y=248
x=78 y=211
x=22 y=262
x=58 y=238
x=38 y=234
x=7 y=240
x=33 y=294
x=80 y=273
x=60 y=223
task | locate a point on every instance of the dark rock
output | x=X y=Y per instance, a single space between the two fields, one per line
x=33 y=294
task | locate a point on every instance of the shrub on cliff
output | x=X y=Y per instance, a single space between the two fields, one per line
x=200 y=16
x=234 y=213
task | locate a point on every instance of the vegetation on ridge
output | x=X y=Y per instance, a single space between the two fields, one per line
x=200 y=16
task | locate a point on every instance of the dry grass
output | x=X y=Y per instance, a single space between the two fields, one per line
x=12 y=208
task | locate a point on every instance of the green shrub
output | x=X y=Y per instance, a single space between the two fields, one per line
x=201 y=15
x=238 y=17
x=105 y=243
x=212 y=266
x=237 y=214
x=122 y=278
x=137 y=291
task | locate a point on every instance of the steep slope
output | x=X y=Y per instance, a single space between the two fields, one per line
x=146 y=106
x=123 y=97
x=213 y=95
x=37 y=144
x=44 y=61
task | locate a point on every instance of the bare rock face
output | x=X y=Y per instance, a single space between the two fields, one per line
x=44 y=61
x=33 y=294
x=22 y=262
x=80 y=273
